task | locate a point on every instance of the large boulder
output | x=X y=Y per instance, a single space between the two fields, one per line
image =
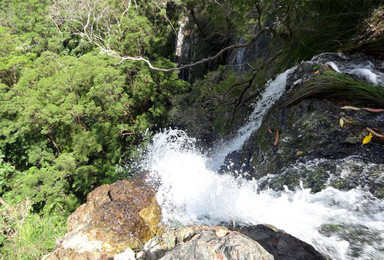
x=116 y=216
x=203 y=243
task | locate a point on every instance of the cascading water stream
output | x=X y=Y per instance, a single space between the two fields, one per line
x=180 y=36
x=361 y=67
x=192 y=192
x=273 y=91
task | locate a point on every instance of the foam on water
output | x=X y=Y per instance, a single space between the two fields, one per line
x=191 y=193
x=360 y=67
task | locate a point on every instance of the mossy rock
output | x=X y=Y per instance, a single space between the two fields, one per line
x=295 y=134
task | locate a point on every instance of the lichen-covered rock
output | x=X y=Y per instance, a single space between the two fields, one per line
x=123 y=214
x=203 y=243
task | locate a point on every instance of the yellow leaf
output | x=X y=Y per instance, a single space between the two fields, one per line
x=317 y=71
x=367 y=139
x=350 y=108
x=299 y=153
x=341 y=122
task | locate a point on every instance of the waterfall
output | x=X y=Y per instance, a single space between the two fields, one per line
x=180 y=36
x=274 y=90
x=191 y=192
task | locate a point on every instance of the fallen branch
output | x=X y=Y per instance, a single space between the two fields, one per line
x=254 y=74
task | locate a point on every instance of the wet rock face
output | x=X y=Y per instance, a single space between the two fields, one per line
x=281 y=245
x=123 y=214
x=305 y=142
x=203 y=243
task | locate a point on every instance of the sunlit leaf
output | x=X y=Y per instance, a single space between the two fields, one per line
x=367 y=139
x=341 y=122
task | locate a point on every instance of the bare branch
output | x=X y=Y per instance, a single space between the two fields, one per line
x=166 y=17
x=125 y=11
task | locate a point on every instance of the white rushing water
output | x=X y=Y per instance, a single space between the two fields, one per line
x=180 y=36
x=273 y=91
x=360 y=67
x=192 y=192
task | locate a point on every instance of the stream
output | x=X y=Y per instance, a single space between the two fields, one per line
x=339 y=224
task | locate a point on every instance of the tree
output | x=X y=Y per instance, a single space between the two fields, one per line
x=13 y=58
x=68 y=121
x=103 y=24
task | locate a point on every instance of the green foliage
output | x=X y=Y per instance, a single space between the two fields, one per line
x=68 y=121
x=68 y=114
x=311 y=27
x=25 y=235
x=30 y=21
x=13 y=57
x=7 y=172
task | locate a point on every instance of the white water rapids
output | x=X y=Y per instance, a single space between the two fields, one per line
x=191 y=192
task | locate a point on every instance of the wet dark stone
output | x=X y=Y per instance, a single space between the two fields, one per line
x=281 y=245
x=310 y=130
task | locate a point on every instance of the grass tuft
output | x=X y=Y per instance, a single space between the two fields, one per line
x=336 y=86
x=25 y=235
